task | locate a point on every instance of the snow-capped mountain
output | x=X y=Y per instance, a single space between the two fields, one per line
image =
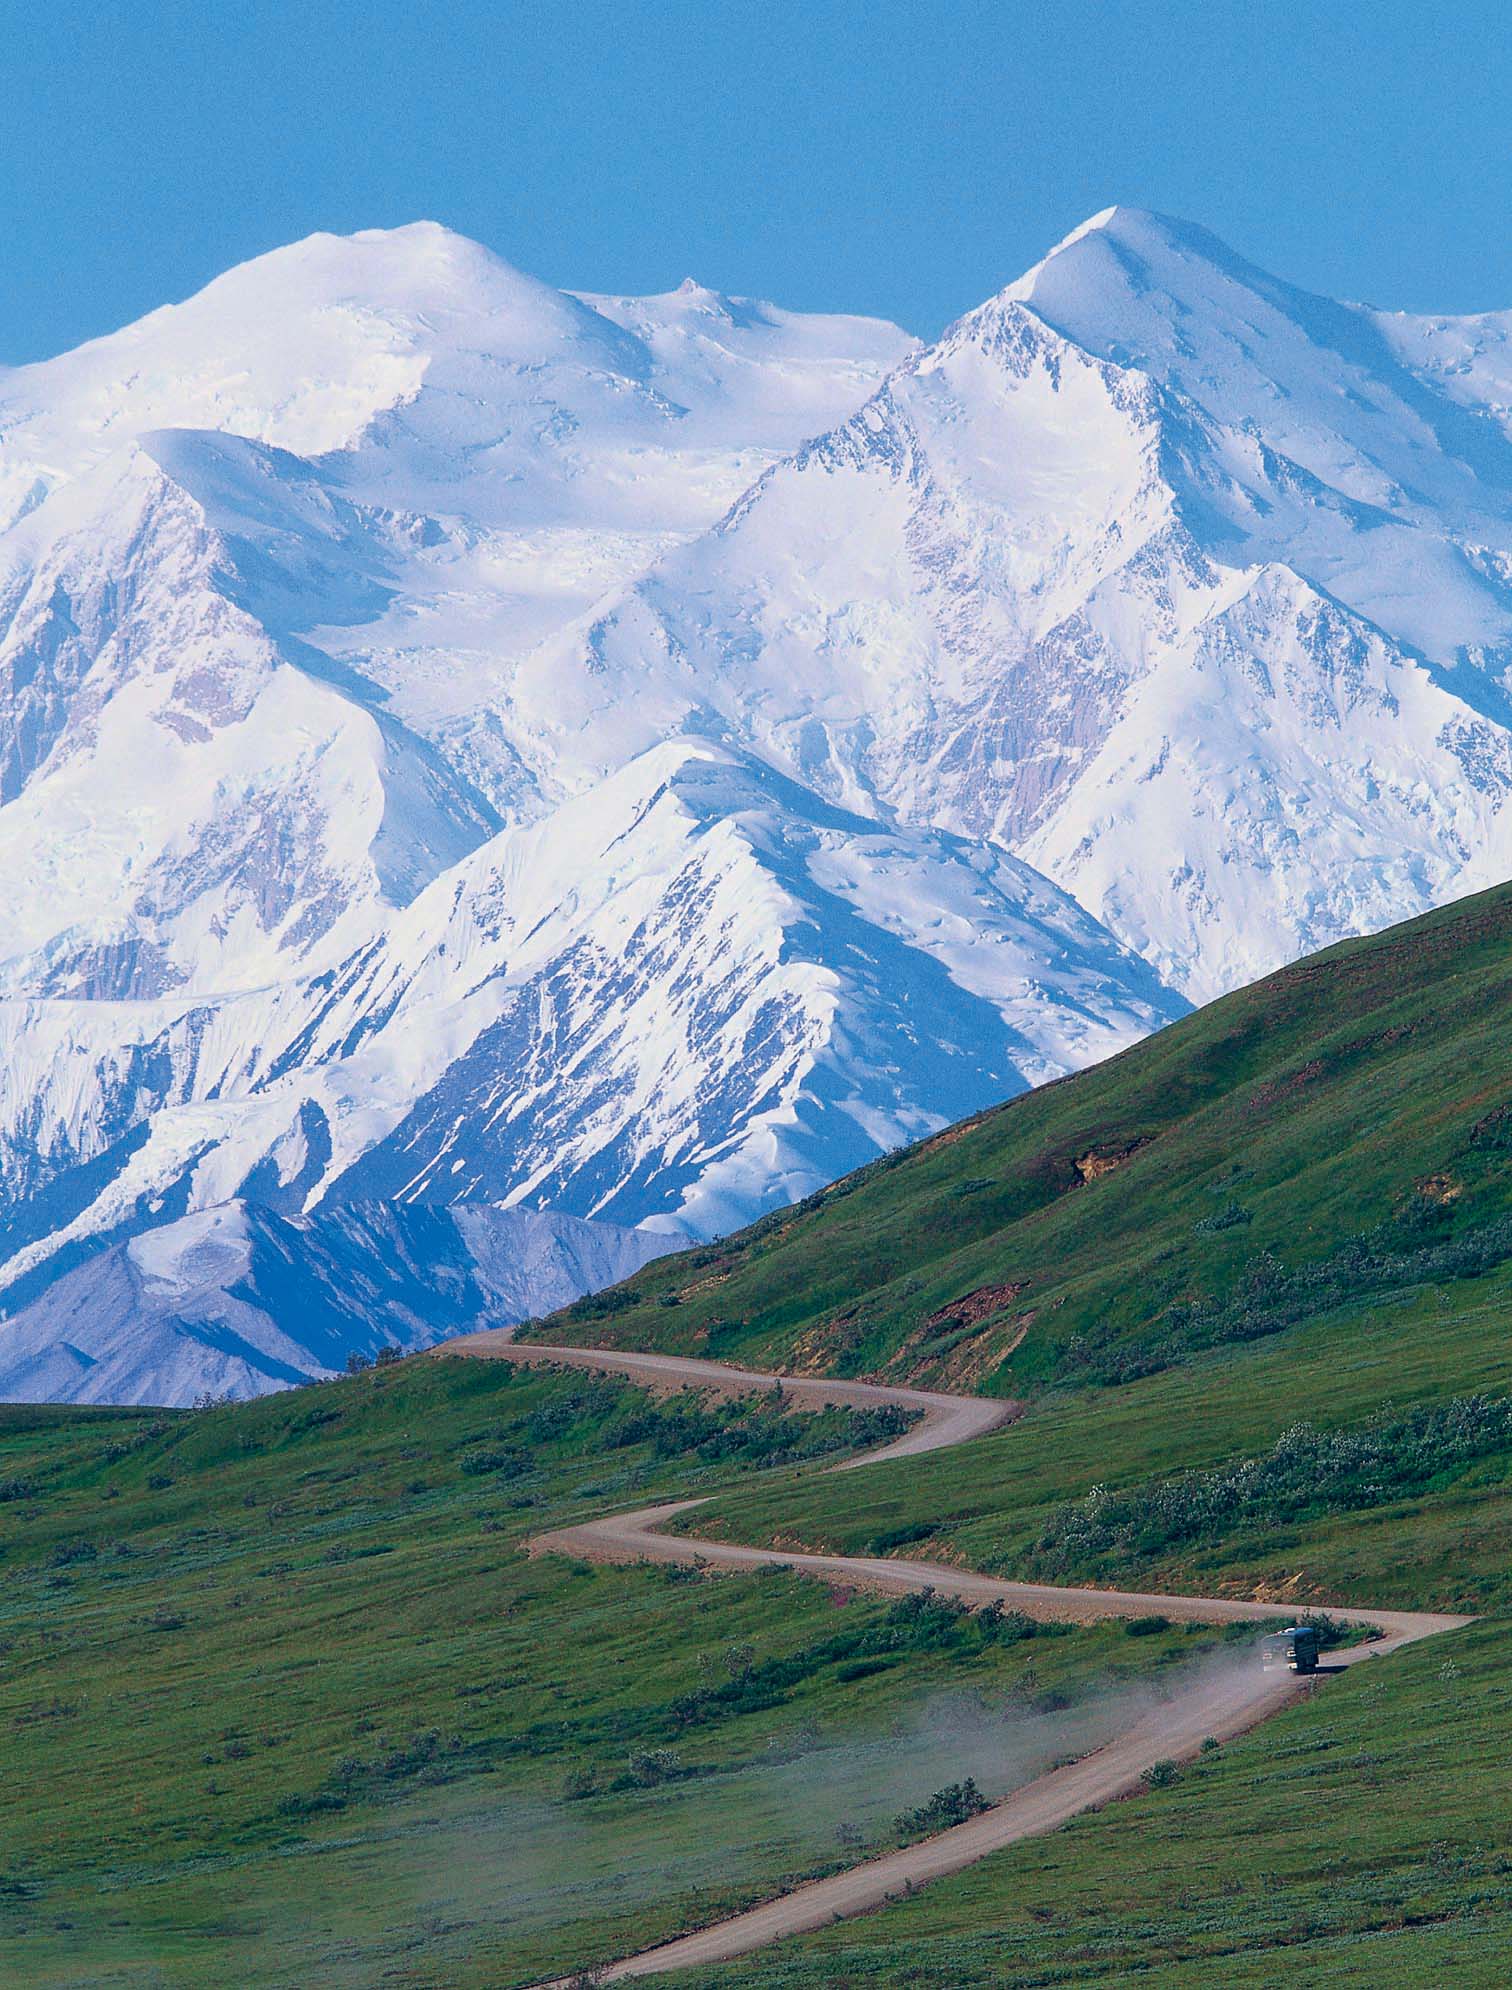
x=464 y=743
x=238 y=1300
x=693 y=993
x=1189 y=587
x=304 y=918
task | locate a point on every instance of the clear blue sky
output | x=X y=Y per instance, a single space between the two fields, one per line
x=904 y=157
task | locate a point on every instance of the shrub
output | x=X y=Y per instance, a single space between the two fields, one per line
x=861 y=1668
x=1232 y=1216
x=749 y=1430
x=162 y=1619
x=298 y=1805
x=1005 y=1627
x=652 y=1766
x=919 y=1622
x=953 y=1805
x=599 y=1305
x=426 y=1757
x=64 y=1553
x=1160 y=1775
x=1268 y=1297
x=901 y=1537
x=507 y=1464
x=1306 y=1471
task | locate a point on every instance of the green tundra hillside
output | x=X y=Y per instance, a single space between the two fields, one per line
x=1341 y=1129
x=286 y=1702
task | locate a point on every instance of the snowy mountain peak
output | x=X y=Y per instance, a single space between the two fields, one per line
x=1106 y=218
x=418 y=283
x=467 y=743
x=1151 y=250
x=417 y=342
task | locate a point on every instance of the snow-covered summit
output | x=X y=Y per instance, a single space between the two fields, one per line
x=467 y=742
x=1319 y=422
x=307 y=347
x=1189 y=586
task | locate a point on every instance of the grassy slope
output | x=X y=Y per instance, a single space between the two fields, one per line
x=1360 y=1839
x=1443 y=1547
x=1317 y=1103
x=289 y=1706
x=1356 y=1839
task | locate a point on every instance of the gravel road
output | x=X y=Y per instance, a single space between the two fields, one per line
x=1220 y=1703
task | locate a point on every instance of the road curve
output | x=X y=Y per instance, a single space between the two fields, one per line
x=945 y=1420
x=1219 y=1703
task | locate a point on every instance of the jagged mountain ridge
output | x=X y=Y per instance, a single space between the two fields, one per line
x=694 y=992
x=294 y=921
x=1187 y=586
x=466 y=740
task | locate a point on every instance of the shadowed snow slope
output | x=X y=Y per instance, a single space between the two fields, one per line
x=237 y=1300
x=1192 y=588
x=466 y=742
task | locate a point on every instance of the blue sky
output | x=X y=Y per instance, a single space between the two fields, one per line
x=905 y=157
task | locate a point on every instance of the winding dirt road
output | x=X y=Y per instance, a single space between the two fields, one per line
x=1219 y=1703
x=946 y=1420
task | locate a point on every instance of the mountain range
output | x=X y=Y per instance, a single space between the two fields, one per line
x=468 y=744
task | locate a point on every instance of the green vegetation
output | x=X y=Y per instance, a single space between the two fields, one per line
x=288 y=1705
x=1306 y=1472
x=947 y=1807
x=1340 y=1132
x=1357 y=1839
x=1373 y=1502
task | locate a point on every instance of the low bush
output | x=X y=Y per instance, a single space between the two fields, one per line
x=504 y=1464
x=900 y=1537
x=953 y=1805
x=918 y=1622
x=1232 y=1216
x=754 y=1430
x=1306 y=1471
x=1417 y=1247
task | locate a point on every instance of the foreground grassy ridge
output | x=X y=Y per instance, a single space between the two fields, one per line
x=289 y=1706
x=1360 y=1839
x=1341 y=1129
x=1003 y=1504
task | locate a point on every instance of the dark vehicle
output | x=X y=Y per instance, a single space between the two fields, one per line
x=1296 y=1649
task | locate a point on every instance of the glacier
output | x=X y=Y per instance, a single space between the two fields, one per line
x=474 y=754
